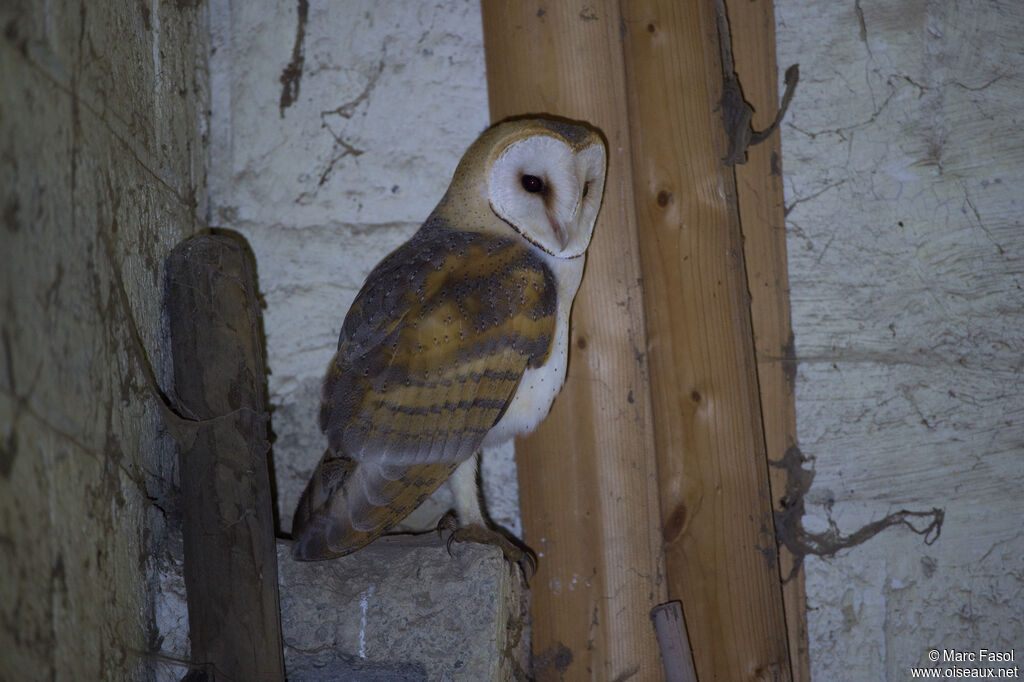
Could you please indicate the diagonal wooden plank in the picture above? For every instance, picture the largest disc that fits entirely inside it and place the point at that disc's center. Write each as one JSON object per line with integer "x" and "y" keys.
{"x": 762, "y": 216}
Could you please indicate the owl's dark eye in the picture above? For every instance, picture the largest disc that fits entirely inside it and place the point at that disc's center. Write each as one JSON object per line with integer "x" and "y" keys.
{"x": 532, "y": 184}
{"x": 586, "y": 188}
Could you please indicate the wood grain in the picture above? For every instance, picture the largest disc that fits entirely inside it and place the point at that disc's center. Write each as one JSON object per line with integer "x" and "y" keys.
{"x": 719, "y": 539}
{"x": 588, "y": 478}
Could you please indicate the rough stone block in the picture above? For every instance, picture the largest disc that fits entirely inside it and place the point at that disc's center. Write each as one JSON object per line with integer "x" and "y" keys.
{"x": 403, "y": 609}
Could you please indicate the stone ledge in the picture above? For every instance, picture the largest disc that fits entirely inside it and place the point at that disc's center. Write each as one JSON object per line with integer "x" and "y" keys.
{"x": 403, "y": 609}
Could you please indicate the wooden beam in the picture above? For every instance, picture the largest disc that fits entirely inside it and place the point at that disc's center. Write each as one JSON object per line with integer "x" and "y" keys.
{"x": 228, "y": 527}
{"x": 762, "y": 216}
{"x": 719, "y": 540}
{"x": 588, "y": 479}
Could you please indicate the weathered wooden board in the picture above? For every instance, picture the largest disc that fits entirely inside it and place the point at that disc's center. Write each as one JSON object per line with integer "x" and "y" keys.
{"x": 228, "y": 527}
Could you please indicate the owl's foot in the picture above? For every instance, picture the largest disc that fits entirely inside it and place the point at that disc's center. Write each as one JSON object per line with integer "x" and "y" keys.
{"x": 514, "y": 549}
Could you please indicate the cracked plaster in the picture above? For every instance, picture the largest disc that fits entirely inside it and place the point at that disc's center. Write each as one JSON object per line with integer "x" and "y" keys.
{"x": 903, "y": 162}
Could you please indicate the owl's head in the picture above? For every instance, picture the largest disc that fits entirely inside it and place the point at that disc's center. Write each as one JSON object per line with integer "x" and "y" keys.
{"x": 544, "y": 178}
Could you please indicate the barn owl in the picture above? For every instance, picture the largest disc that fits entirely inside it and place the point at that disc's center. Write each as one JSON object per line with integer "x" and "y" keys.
{"x": 458, "y": 339}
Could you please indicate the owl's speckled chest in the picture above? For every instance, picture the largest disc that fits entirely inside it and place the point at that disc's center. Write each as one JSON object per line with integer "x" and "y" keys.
{"x": 540, "y": 385}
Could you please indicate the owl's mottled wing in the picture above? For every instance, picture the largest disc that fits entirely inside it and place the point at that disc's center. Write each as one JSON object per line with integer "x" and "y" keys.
{"x": 430, "y": 356}
{"x": 434, "y": 347}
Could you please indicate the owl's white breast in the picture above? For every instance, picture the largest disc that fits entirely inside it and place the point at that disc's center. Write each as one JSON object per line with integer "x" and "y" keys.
{"x": 540, "y": 385}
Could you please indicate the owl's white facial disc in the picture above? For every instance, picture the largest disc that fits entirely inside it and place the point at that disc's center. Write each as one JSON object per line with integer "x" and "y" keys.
{"x": 549, "y": 193}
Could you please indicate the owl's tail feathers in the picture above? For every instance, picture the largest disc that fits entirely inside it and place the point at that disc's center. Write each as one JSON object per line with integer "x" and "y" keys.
{"x": 312, "y": 523}
{"x": 348, "y": 504}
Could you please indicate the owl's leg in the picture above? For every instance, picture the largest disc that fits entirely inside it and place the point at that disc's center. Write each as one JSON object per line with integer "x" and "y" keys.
{"x": 468, "y": 524}
{"x": 466, "y": 498}
{"x": 466, "y": 492}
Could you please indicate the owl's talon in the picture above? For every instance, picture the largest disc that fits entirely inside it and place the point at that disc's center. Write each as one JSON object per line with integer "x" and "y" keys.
{"x": 448, "y": 543}
{"x": 528, "y": 564}
{"x": 448, "y": 522}
{"x": 514, "y": 549}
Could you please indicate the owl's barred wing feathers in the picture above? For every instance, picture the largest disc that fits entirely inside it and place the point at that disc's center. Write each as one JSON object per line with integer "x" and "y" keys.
{"x": 434, "y": 347}
{"x": 430, "y": 355}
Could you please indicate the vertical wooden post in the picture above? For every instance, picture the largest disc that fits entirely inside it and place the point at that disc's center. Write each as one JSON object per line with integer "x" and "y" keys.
{"x": 228, "y": 527}
{"x": 716, "y": 505}
{"x": 588, "y": 480}
{"x": 762, "y": 215}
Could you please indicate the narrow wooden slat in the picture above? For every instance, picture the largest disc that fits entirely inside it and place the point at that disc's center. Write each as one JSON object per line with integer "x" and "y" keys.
{"x": 716, "y": 506}
{"x": 762, "y": 215}
{"x": 228, "y": 528}
{"x": 674, "y": 642}
{"x": 588, "y": 480}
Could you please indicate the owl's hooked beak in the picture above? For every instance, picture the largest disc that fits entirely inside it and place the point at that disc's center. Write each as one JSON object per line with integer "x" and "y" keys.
{"x": 559, "y": 229}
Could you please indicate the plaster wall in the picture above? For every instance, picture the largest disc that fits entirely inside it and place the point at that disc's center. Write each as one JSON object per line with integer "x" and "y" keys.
{"x": 101, "y": 172}
{"x": 903, "y": 160}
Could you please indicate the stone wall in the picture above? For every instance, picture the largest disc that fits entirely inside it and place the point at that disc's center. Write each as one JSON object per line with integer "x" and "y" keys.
{"x": 901, "y": 157}
{"x": 102, "y": 160}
